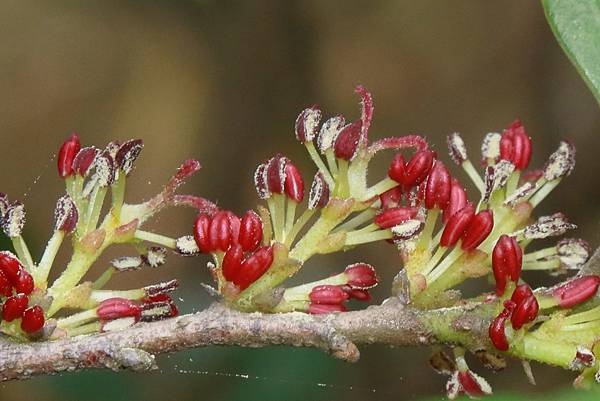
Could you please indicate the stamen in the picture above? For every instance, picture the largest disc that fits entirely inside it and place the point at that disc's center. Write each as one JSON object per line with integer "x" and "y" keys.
{"x": 156, "y": 238}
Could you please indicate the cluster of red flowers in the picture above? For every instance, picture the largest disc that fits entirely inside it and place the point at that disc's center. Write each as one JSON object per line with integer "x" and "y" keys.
{"x": 16, "y": 284}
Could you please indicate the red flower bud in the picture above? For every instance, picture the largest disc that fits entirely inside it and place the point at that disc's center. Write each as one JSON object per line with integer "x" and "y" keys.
{"x": 525, "y": 312}
{"x": 479, "y": 228}
{"x": 128, "y": 154}
{"x": 234, "y": 226}
{"x": 294, "y": 185}
{"x": 361, "y": 276}
{"x": 320, "y": 309}
{"x": 397, "y": 169}
{"x": 307, "y": 124}
{"x": 84, "y": 159}
{"x": 11, "y": 267}
{"x": 497, "y": 331}
{"x": 254, "y": 267}
{"x": 251, "y": 231}
{"x": 521, "y": 293}
{"x": 201, "y": 227}
{"x": 515, "y": 146}
{"x": 232, "y": 262}
{"x": 437, "y": 190}
{"x": 276, "y": 174}
{"x": 346, "y": 144}
{"x": 219, "y": 232}
{"x": 33, "y": 319}
{"x": 391, "y": 197}
{"x": 25, "y": 283}
{"x": 394, "y": 216}
{"x": 457, "y": 225}
{"x": 115, "y": 308}
{"x": 456, "y": 201}
{"x": 473, "y": 386}
{"x": 319, "y": 192}
{"x": 66, "y": 154}
{"x": 14, "y": 307}
{"x": 418, "y": 168}
{"x": 5, "y": 286}
{"x": 576, "y": 291}
{"x": 328, "y": 294}
{"x": 358, "y": 294}
{"x": 507, "y": 258}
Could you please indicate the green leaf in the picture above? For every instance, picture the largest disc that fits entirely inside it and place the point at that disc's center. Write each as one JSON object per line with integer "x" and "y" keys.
{"x": 576, "y": 25}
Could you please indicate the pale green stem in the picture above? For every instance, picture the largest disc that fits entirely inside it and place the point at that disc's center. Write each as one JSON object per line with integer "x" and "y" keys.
{"x": 382, "y": 186}
{"x": 118, "y": 194}
{"x": 361, "y": 238}
{"x": 542, "y": 265}
{"x": 77, "y": 319}
{"x": 298, "y": 226}
{"x": 22, "y": 252}
{"x": 40, "y": 274}
{"x": 362, "y": 217}
{"x": 342, "y": 188}
{"x": 425, "y": 237}
{"x": 474, "y": 175}
{"x": 156, "y": 238}
{"x": 95, "y": 208}
{"x": 98, "y": 296}
{"x": 104, "y": 278}
{"x": 543, "y": 192}
{"x": 277, "y": 208}
{"x": 300, "y": 292}
{"x": 541, "y": 350}
{"x": 581, "y": 326}
{"x": 434, "y": 260}
{"x": 314, "y": 155}
{"x": 588, "y": 315}
{"x": 513, "y": 182}
{"x": 540, "y": 254}
{"x": 85, "y": 329}
{"x": 309, "y": 244}
{"x": 445, "y": 265}
{"x": 290, "y": 216}
{"x": 331, "y": 162}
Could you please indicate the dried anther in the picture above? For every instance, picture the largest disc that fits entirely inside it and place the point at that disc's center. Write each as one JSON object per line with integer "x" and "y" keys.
{"x": 14, "y": 220}
{"x": 319, "y": 192}
{"x": 66, "y": 215}
{"x": 128, "y": 154}
{"x": 548, "y": 226}
{"x": 457, "y": 148}
{"x": 155, "y": 256}
{"x": 185, "y": 246}
{"x": 307, "y": 124}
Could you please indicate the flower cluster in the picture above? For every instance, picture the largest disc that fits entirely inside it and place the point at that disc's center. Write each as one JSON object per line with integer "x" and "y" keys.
{"x": 33, "y": 308}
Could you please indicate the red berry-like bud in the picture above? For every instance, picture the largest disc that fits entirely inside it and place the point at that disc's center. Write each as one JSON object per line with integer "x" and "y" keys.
{"x": 456, "y": 201}
{"x": 391, "y": 197}
{"x": 507, "y": 259}
{"x": 457, "y": 225}
{"x": 321, "y": 309}
{"x": 14, "y": 307}
{"x": 480, "y": 227}
{"x": 276, "y": 174}
{"x": 328, "y": 295}
{"x": 115, "y": 308}
{"x": 319, "y": 192}
{"x": 397, "y": 169}
{"x": 307, "y": 124}
{"x": 254, "y": 267}
{"x": 25, "y": 283}
{"x": 33, "y": 319}
{"x": 358, "y": 294}
{"x": 251, "y": 231}
{"x": 128, "y": 154}
{"x": 201, "y": 237}
{"x": 346, "y": 144}
{"x": 439, "y": 184}
{"x": 11, "y": 267}
{"x": 525, "y": 312}
{"x": 497, "y": 331}
{"x": 361, "y": 276}
{"x": 418, "y": 168}
{"x": 576, "y": 291}
{"x": 5, "y": 285}
{"x": 219, "y": 232}
{"x": 234, "y": 226}
{"x": 232, "y": 262}
{"x": 65, "y": 215}
{"x": 294, "y": 185}
{"x": 394, "y": 216}
{"x": 84, "y": 159}
{"x": 515, "y": 146}
{"x": 66, "y": 154}
{"x": 521, "y": 293}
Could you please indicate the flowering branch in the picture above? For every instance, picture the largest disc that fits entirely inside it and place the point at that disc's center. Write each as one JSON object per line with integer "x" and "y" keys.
{"x": 443, "y": 240}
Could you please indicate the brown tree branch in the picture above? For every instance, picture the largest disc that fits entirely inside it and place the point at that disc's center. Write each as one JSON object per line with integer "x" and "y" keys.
{"x": 134, "y": 348}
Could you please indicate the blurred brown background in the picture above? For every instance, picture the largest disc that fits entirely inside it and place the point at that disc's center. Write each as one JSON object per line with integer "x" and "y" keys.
{"x": 223, "y": 81}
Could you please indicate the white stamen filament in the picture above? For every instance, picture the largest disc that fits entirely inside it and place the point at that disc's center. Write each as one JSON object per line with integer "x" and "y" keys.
{"x": 452, "y": 257}
{"x": 40, "y": 273}
{"x": 22, "y": 252}
{"x": 316, "y": 158}
{"x": 156, "y": 238}
{"x": 299, "y": 225}
{"x": 473, "y": 175}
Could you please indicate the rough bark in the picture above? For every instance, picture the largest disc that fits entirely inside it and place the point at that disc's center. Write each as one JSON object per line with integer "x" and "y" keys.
{"x": 134, "y": 348}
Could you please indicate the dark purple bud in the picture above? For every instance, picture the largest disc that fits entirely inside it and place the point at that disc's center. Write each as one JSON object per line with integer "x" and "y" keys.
{"x": 128, "y": 154}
